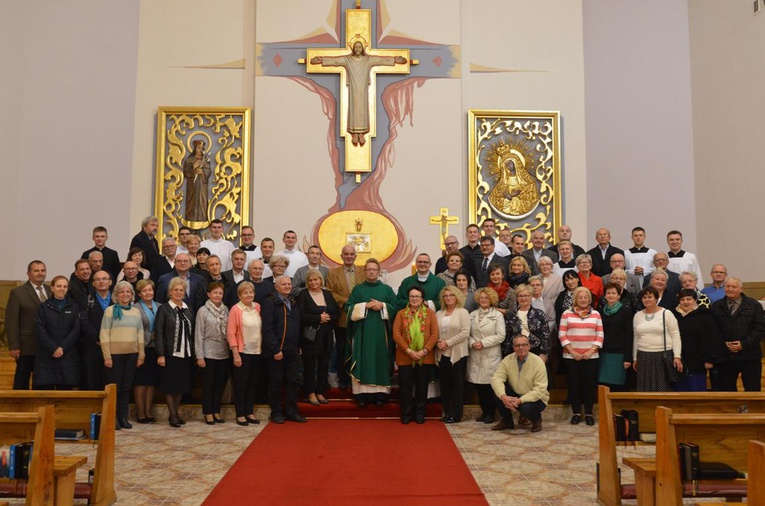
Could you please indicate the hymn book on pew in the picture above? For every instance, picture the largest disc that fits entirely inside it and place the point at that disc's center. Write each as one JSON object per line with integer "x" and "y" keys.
{"x": 692, "y": 468}
{"x": 14, "y": 460}
{"x": 69, "y": 434}
{"x": 95, "y": 425}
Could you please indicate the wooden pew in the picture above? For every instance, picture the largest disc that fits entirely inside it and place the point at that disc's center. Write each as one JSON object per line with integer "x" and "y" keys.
{"x": 72, "y": 410}
{"x": 720, "y": 437}
{"x": 611, "y": 491}
{"x": 38, "y": 427}
{"x": 755, "y": 489}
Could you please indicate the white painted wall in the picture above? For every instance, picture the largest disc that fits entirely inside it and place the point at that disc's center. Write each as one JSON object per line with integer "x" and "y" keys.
{"x": 640, "y": 163}
{"x": 68, "y": 90}
{"x": 79, "y": 105}
{"x": 728, "y": 77}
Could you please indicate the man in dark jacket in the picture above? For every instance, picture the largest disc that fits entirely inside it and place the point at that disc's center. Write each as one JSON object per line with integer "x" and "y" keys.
{"x": 742, "y": 322}
{"x": 281, "y": 332}
{"x": 91, "y": 357}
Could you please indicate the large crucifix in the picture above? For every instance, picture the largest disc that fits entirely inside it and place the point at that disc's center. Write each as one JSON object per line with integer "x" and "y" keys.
{"x": 358, "y": 84}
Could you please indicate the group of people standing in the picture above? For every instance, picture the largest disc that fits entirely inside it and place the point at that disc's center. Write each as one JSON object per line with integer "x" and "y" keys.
{"x": 502, "y": 325}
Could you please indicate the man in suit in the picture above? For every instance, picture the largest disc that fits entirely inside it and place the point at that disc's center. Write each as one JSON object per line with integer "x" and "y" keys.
{"x": 634, "y": 283}
{"x": 237, "y": 273}
{"x": 602, "y": 253}
{"x": 537, "y": 251}
{"x": 340, "y": 282}
{"x": 146, "y": 241}
{"x": 165, "y": 263}
{"x": 96, "y": 262}
{"x": 314, "y": 262}
{"x": 481, "y": 267}
{"x": 182, "y": 270}
{"x": 661, "y": 261}
{"x": 20, "y": 316}
{"x": 742, "y": 323}
{"x": 111, "y": 257}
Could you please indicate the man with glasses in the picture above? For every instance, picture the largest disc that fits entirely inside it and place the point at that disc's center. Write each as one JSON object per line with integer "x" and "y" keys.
{"x": 248, "y": 244}
{"x": 430, "y": 284}
{"x": 634, "y": 283}
{"x": 183, "y": 237}
{"x": 520, "y": 384}
{"x": 452, "y": 244}
{"x": 716, "y": 290}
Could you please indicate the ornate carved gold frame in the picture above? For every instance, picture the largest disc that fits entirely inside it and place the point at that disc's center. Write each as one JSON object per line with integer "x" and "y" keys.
{"x": 226, "y": 133}
{"x": 530, "y": 139}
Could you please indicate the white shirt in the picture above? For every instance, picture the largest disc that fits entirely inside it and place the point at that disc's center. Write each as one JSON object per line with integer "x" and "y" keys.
{"x": 297, "y": 260}
{"x": 223, "y": 249}
{"x": 644, "y": 260}
{"x": 252, "y": 255}
{"x": 689, "y": 263}
{"x": 501, "y": 248}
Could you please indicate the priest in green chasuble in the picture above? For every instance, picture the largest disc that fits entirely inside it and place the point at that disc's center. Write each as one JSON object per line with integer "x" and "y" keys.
{"x": 371, "y": 308}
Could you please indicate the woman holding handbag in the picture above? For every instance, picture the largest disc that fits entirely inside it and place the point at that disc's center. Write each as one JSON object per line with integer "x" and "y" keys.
{"x": 318, "y": 313}
{"x": 657, "y": 346}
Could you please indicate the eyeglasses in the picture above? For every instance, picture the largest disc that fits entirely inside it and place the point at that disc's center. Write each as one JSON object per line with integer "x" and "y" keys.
{"x": 415, "y": 296}
{"x": 450, "y": 243}
{"x": 522, "y": 345}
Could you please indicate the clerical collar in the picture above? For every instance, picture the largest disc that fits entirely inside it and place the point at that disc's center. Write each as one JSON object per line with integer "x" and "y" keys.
{"x": 251, "y": 247}
{"x": 422, "y": 278}
{"x": 679, "y": 254}
{"x": 639, "y": 250}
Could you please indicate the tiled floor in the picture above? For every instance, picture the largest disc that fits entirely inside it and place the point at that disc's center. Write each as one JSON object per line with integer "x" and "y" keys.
{"x": 159, "y": 465}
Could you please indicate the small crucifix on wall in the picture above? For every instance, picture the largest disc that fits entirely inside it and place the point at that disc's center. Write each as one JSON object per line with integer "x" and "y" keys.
{"x": 443, "y": 220}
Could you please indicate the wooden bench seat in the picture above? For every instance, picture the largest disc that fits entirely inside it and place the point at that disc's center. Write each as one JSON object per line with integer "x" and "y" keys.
{"x": 73, "y": 410}
{"x": 610, "y": 490}
{"x": 37, "y": 427}
{"x": 720, "y": 437}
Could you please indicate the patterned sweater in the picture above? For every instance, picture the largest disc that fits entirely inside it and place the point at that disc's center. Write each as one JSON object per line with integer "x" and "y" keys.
{"x": 119, "y": 337}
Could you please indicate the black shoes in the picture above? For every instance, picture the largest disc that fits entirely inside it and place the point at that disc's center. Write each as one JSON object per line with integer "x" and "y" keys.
{"x": 448, "y": 419}
{"x": 406, "y": 419}
{"x": 276, "y": 419}
{"x": 251, "y": 419}
{"x": 419, "y": 419}
{"x": 122, "y": 422}
{"x": 181, "y": 421}
{"x": 174, "y": 423}
{"x": 488, "y": 419}
{"x": 297, "y": 418}
{"x": 576, "y": 419}
{"x": 536, "y": 426}
{"x": 244, "y": 423}
{"x": 589, "y": 420}
{"x": 146, "y": 420}
{"x": 218, "y": 420}
{"x": 209, "y": 421}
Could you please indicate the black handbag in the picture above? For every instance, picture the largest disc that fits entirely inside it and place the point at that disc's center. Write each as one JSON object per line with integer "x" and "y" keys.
{"x": 309, "y": 333}
{"x": 668, "y": 358}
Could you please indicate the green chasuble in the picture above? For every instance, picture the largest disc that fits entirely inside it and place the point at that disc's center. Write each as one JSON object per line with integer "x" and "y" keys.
{"x": 371, "y": 340}
{"x": 432, "y": 288}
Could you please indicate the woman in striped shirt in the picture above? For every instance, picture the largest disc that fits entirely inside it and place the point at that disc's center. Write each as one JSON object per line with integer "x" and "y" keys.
{"x": 581, "y": 336}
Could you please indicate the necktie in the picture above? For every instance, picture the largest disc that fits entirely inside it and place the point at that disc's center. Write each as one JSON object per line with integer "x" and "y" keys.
{"x": 351, "y": 277}
{"x": 485, "y": 265}
{"x": 41, "y": 294}
{"x": 732, "y": 306}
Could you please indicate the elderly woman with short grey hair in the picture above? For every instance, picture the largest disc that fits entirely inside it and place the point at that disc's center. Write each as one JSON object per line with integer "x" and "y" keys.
{"x": 121, "y": 340}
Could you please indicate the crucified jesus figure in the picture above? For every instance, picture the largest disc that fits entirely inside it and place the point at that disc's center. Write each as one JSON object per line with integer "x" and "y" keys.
{"x": 358, "y": 65}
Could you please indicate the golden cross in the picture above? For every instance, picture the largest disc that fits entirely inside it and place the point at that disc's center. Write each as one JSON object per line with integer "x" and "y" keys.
{"x": 444, "y": 220}
{"x": 358, "y": 84}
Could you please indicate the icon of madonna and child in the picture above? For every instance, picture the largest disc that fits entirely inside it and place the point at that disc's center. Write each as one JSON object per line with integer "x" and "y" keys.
{"x": 515, "y": 192}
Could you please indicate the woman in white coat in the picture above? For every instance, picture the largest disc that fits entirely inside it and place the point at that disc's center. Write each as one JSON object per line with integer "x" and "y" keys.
{"x": 487, "y": 332}
{"x": 452, "y": 352}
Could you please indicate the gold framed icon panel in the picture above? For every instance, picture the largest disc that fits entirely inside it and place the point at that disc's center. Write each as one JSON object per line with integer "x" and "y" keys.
{"x": 224, "y": 133}
{"x": 514, "y": 170}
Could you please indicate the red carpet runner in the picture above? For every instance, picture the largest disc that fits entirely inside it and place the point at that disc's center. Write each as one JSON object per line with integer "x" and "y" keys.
{"x": 341, "y": 462}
